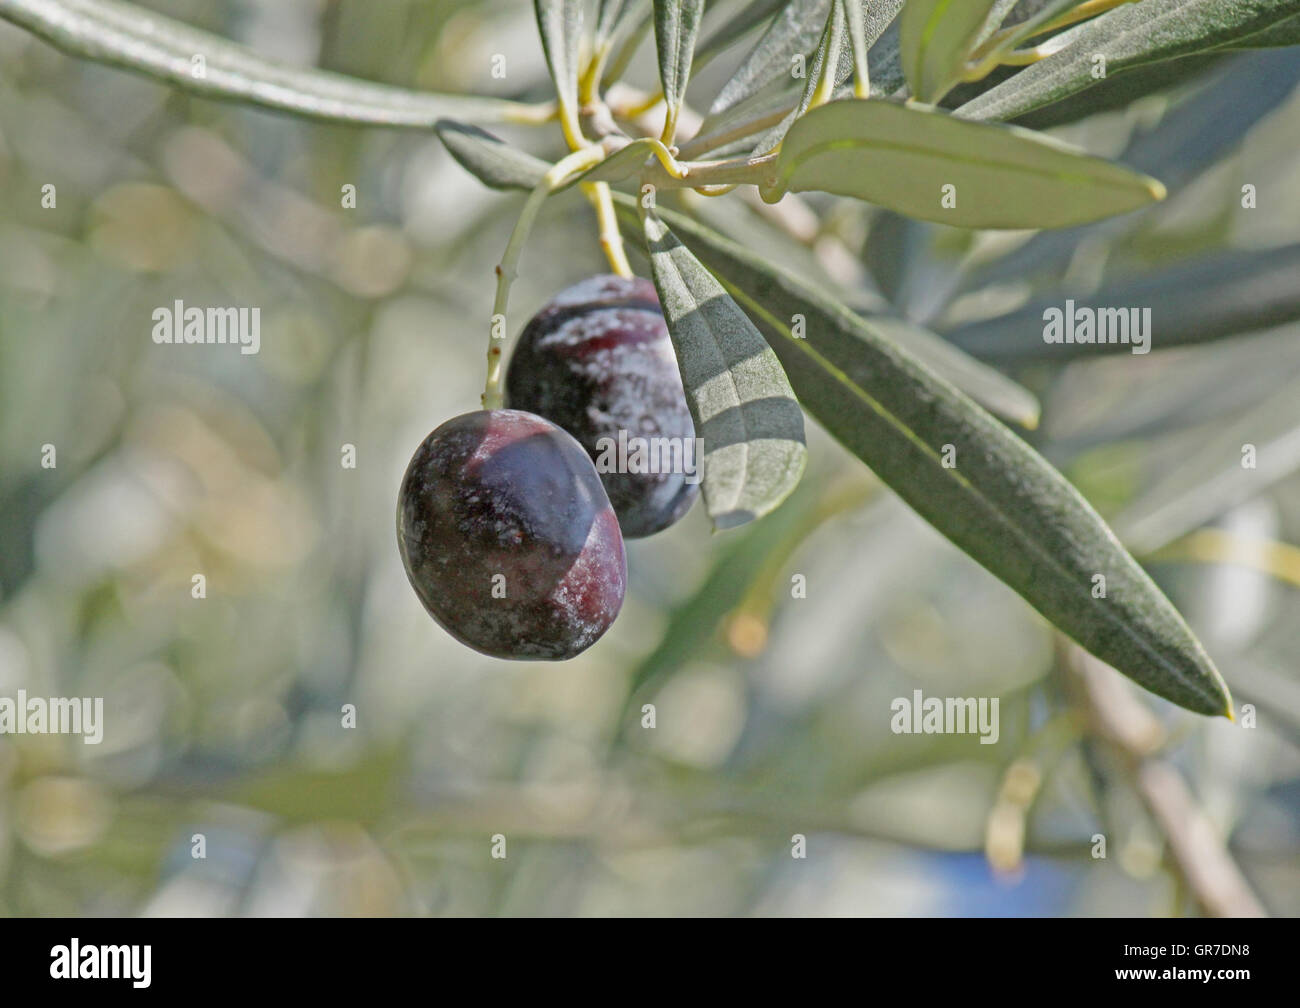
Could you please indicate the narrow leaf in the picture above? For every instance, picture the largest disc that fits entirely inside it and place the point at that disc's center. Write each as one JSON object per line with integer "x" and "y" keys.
{"x": 145, "y": 42}
{"x": 1132, "y": 36}
{"x": 745, "y": 414}
{"x": 885, "y": 79}
{"x": 492, "y": 161}
{"x": 748, "y": 18}
{"x": 1121, "y": 90}
{"x": 677, "y": 26}
{"x": 560, "y": 24}
{"x": 937, "y": 37}
{"x": 622, "y": 164}
{"x": 929, "y": 165}
{"x": 825, "y": 65}
{"x": 881, "y": 35}
{"x": 1193, "y": 135}
{"x": 613, "y": 18}
{"x": 793, "y": 33}
{"x": 499, "y": 166}
{"x": 992, "y": 495}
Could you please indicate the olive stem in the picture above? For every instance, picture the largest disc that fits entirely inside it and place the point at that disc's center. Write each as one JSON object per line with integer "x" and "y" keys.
{"x": 589, "y": 82}
{"x": 1007, "y": 38}
{"x": 758, "y": 171}
{"x": 611, "y": 239}
{"x": 557, "y": 175}
{"x": 855, "y": 18}
{"x": 1085, "y": 10}
{"x": 531, "y": 115}
{"x": 571, "y": 127}
{"x": 640, "y": 108}
{"x": 747, "y": 127}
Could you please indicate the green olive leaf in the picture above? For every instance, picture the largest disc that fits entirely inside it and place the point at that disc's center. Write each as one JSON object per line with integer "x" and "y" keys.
{"x": 874, "y": 16}
{"x": 623, "y": 163}
{"x": 1131, "y": 36}
{"x": 492, "y": 161}
{"x": 794, "y": 32}
{"x": 937, "y": 37}
{"x": 749, "y": 18}
{"x": 746, "y": 416}
{"x": 677, "y": 26}
{"x": 826, "y": 60}
{"x": 613, "y": 18}
{"x": 146, "y": 42}
{"x": 930, "y": 165}
{"x": 965, "y": 473}
{"x": 779, "y": 92}
{"x": 1191, "y": 137}
{"x": 559, "y": 22}
{"x": 499, "y": 166}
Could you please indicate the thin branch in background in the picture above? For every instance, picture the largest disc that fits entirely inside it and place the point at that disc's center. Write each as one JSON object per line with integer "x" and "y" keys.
{"x": 1198, "y": 851}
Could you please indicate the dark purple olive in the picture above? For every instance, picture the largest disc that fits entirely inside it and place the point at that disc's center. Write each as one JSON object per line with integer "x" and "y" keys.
{"x": 597, "y": 360}
{"x": 508, "y": 537}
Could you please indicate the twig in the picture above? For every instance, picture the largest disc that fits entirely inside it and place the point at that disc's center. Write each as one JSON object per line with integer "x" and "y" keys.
{"x": 1198, "y": 851}
{"x": 558, "y": 174}
{"x": 611, "y": 238}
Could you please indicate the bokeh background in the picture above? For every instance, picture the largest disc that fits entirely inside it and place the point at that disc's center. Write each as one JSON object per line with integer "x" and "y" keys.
{"x": 772, "y": 712}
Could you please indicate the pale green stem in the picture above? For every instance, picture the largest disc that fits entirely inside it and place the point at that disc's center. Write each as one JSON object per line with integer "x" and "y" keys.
{"x": 1008, "y": 38}
{"x": 745, "y": 128}
{"x": 756, "y": 171}
{"x": 611, "y": 239}
{"x": 558, "y": 174}
{"x": 853, "y": 14}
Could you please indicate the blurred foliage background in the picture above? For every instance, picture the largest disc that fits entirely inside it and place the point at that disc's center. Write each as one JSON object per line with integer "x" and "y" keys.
{"x": 223, "y": 713}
